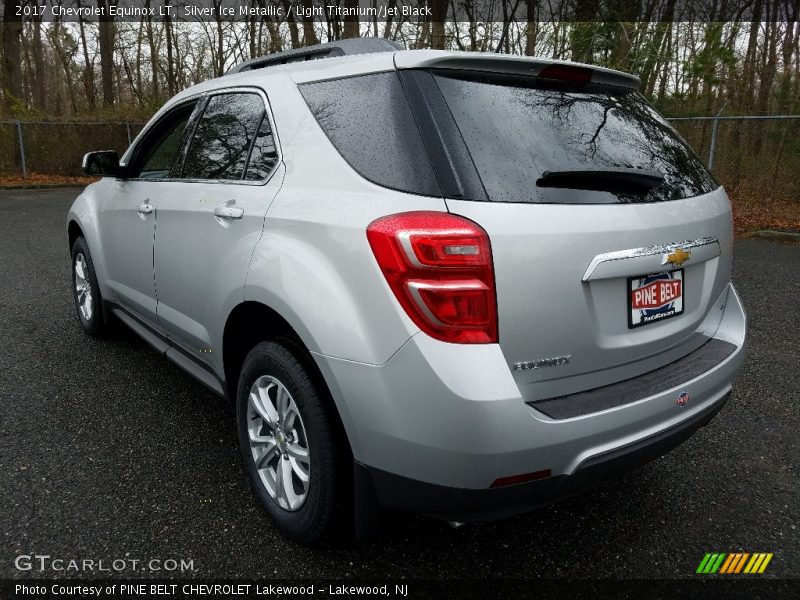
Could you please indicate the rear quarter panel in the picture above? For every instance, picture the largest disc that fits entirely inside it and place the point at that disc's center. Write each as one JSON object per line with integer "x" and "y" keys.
{"x": 313, "y": 265}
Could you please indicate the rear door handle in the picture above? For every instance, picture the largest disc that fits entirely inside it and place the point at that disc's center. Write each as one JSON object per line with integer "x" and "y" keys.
{"x": 228, "y": 212}
{"x": 144, "y": 208}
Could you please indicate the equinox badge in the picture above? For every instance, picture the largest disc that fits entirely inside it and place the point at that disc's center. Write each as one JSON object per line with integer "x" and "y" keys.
{"x": 555, "y": 361}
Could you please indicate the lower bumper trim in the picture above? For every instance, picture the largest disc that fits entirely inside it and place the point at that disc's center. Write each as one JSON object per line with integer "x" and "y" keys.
{"x": 396, "y": 492}
{"x": 705, "y": 358}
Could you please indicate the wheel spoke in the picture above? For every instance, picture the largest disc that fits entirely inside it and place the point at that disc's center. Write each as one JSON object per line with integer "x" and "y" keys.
{"x": 280, "y": 490}
{"x": 297, "y": 452}
{"x": 283, "y": 405}
{"x": 288, "y": 487}
{"x": 300, "y": 470}
{"x": 288, "y": 422}
{"x": 260, "y": 440}
{"x": 266, "y": 402}
{"x": 263, "y": 406}
{"x": 79, "y": 268}
{"x": 270, "y": 451}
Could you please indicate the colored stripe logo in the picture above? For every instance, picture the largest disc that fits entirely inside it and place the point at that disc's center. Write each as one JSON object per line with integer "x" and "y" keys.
{"x": 736, "y": 562}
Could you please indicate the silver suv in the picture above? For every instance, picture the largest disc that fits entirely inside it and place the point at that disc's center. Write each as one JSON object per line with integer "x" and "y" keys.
{"x": 460, "y": 284}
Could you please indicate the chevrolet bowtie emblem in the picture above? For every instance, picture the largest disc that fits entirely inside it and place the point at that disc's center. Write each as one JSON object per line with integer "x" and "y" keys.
{"x": 677, "y": 258}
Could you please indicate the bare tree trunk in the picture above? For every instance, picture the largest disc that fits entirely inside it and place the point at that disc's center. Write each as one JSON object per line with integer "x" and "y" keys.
{"x": 531, "y": 27}
{"x": 251, "y": 27}
{"x": 12, "y": 75}
{"x": 65, "y": 60}
{"x": 309, "y": 35}
{"x": 27, "y": 79}
{"x": 583, "y": 29}
{"x": 39, "y": 96}
{"x": 220, "y": 70}
{"x": 151, "y": 42}
{"x": 387, "y": 30}
{"x": 438, "y": 16}
{"x": 771, "y": 52}
{"x": 139, "y": 36}
{"x": 170, "y": 62}
{"x": 351, "y": 29}
{"x": 88, "y": 73}
{"x": 106, "y": 42}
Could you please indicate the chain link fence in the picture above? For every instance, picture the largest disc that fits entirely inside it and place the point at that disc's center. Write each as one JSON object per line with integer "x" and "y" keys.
{"x": 56, "y": 148}
{"x": 753, "y": 154}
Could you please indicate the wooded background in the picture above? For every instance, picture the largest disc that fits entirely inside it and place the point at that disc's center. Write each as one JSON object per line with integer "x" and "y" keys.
{"x": 689, "y": 64}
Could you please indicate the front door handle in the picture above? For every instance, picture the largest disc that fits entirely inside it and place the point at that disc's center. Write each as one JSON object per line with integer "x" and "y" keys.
{"x": 144, "y": 208}
{"x": 228, "y": 212}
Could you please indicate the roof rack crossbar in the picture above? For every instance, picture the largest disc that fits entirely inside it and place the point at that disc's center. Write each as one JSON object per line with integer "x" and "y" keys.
{"x": 345, "y": 47}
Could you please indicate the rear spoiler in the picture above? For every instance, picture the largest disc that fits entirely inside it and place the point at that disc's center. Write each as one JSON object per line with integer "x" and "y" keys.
{"x": 512, "y": 65}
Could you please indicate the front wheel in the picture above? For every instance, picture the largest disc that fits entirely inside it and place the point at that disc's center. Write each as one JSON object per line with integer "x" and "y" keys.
{"x": 288, "y": 443}
{"x": 85, "y": 290}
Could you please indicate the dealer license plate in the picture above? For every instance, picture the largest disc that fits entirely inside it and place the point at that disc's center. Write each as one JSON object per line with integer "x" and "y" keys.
{"x": 653, "y": 298}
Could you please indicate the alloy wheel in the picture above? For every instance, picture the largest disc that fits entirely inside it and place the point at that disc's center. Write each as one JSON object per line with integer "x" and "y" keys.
{"x": 278, "y": 442}
{"x": 83, "y": 288}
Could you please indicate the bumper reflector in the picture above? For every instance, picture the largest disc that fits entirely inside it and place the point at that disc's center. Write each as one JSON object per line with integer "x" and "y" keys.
{"x": 525, "y": 477}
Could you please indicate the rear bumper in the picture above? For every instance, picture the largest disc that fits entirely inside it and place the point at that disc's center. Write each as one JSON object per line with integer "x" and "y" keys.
{"x": 395, "y": 492}
{"x": 447, "y": 420}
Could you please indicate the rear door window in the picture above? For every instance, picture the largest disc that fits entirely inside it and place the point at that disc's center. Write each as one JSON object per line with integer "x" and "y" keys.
{"x": 517, "y": 129}
{"x": 224, "y": 136}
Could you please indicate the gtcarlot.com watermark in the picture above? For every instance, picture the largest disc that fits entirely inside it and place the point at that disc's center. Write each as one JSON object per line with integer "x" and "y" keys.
{"x": 45, "y": 563}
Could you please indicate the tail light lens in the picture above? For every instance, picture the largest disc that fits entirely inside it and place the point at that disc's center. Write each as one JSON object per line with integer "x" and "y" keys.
{"x": 439, "y": 267}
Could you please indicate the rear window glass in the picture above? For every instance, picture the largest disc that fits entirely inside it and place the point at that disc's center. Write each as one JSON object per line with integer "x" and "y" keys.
{"x": 368, "y": 120}
{"x": 517, "y": 129}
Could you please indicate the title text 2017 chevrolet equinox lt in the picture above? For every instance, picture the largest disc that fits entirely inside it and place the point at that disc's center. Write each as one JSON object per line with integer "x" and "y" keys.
{"x": 460, "y": 284}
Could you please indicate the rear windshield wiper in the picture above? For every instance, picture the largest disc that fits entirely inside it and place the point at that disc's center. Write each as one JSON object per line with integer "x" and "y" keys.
{"x": 631, "y": 181}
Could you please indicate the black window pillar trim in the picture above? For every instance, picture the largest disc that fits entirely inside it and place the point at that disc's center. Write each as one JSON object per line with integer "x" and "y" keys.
{"x": 447, "y": 152}
{"x": 176, "y": 172}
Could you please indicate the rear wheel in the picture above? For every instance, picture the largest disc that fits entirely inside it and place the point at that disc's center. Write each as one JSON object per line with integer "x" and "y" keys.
{"x": 85, "y": 290}
{"x": 288, "y": 442}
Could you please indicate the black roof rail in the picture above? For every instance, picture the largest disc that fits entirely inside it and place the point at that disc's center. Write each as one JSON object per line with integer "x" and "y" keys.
{"x": 346, "y": 47}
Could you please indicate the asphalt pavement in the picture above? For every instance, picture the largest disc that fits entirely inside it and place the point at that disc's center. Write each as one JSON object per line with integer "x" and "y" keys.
{"x": 108, "y": 451}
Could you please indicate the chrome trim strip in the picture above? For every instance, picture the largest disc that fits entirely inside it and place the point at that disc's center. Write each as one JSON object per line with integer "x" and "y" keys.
{"x": 645, "y": 251}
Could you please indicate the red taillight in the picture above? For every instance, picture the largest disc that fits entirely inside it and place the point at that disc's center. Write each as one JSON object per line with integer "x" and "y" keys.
{"x": 439, "y": 267}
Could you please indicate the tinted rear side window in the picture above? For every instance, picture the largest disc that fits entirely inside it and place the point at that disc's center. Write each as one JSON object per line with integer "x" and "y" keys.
{"x": 223, "y": 137}
{"x": 368, "y": 120}
{"x": 516, "y": 129}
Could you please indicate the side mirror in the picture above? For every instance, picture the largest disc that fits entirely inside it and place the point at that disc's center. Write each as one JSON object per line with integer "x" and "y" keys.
{"x": 102, "y": 162}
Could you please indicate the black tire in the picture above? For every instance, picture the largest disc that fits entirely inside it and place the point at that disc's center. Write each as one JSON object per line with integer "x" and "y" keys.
{"x": 93, "y": 323}
{"x": 318, "y": 513}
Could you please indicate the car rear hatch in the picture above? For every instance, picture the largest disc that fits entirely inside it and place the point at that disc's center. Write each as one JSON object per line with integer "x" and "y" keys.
{"x": 611, "y": 242}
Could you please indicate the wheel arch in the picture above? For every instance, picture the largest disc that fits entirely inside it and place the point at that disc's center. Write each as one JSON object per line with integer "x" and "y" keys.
{"x": 251, "y": 322}
{"x": 74, "y": 231}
